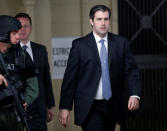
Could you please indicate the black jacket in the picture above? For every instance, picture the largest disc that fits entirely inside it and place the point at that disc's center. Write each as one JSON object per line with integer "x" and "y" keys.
{"x": 46, "y": 98}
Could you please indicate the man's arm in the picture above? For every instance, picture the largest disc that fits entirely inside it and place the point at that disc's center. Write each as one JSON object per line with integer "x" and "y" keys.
{"x": 31, "y": 91}
{"x": 70, "y": 79}
{"x": 48, "y": 87}
{"x": 69, "y": 85}
{"x": 48, "y": 83}
{"x": 29, "y": 74}
{"x": 133, "y": 79}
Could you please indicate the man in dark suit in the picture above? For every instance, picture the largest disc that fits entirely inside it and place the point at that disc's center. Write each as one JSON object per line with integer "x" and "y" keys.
{"x": 41, "y": 110}
{"x": 98, "y": 65}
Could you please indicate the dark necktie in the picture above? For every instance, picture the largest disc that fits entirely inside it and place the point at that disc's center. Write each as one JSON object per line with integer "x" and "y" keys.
{"x": 24, "y": 47}
{"x": 106, "y": 86}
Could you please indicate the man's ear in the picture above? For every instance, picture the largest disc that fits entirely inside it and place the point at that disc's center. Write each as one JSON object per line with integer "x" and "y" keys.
{"x": 91, "y": 22}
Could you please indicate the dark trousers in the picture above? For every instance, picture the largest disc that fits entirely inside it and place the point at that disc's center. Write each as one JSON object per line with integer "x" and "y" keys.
{"x": 99, "y": 118}
{"x": 37, "y": 121}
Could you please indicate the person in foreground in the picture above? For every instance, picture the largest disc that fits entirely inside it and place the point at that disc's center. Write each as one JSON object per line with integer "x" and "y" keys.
{"x": 41, "y": 109}
{"x": 21, "y": 70}
{"x": 98, "y": 66}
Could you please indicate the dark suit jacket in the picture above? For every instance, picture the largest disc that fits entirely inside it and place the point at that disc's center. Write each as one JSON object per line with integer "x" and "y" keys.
{"x": 83, "y": 74}
{"x": 46, "y": 98}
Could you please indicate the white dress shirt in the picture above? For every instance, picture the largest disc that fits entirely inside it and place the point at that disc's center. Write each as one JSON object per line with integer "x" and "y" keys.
{"x": 99, "y": 95}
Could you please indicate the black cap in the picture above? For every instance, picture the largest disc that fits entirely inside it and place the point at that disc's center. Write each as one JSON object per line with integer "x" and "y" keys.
{"x": 8, "y": 24}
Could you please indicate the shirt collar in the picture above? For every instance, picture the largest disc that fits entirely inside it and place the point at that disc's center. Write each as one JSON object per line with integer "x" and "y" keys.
{"x": 27, "y": 44}
{"x": 97, "y": 38}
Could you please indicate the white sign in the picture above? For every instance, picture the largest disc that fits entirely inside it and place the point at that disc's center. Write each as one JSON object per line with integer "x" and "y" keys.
{"x": 60, "y": 51}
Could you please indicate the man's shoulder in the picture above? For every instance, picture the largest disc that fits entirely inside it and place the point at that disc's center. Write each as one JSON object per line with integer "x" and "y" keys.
{"x": 116, "y": 36}
{"x": 83, "y": 38}
{"x": 37, "y": 45}
{"x": 119, "y": 40}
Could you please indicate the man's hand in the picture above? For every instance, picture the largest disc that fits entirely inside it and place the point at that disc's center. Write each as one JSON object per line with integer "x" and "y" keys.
{"x": 64, "y": 117}
{"x": 3, "y": 80}
{"x": 50, "y": 115}
{"x": 133, "y": 103}
{"x": 25, "y": 106}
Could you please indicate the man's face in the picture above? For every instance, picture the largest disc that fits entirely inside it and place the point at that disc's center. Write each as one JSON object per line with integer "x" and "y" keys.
{"x": 25, "y": 31}
{"x": 100, "y": 23}
{"x": 14, "y": 37}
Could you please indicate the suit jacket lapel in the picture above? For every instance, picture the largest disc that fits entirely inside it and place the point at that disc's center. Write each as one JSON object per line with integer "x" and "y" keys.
{"x": 111, "y": 46}
{"x": 93, "y": 45}
{"x": 34, "y": 52}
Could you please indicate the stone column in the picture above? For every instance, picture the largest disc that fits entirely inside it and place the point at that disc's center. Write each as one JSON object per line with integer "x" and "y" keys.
{"x": 29, "y": 8}
{"x": 114, "y": 16}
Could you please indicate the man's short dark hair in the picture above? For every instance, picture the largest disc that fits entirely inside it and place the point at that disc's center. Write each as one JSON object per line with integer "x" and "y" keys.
{"x": 24, "y": 15}
{"x": 96, "y": 8}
